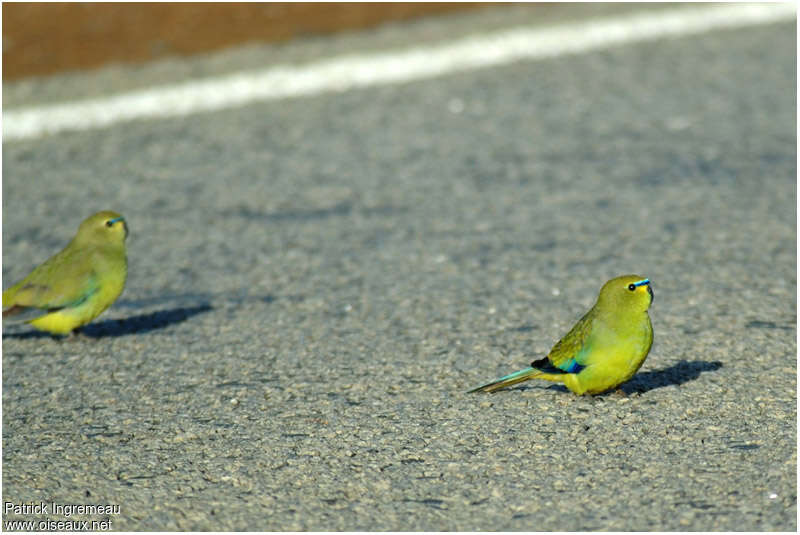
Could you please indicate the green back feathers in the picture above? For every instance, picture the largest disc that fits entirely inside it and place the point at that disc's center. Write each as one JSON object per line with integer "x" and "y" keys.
{"x": 567, "y": 351}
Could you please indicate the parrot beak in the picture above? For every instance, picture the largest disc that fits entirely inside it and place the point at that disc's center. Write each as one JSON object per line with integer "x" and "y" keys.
{"x": 646, "y": 282}
{"x": 124, "y": 224}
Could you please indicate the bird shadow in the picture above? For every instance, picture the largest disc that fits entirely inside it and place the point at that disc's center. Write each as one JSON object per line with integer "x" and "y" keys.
{"x": 143, "y": 322}
{"x": 131, "y": 325}
{"x": 677, "y": 374}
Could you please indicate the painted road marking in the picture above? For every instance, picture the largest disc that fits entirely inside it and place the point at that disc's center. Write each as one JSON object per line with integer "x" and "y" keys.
{"x": 353, "y": 71}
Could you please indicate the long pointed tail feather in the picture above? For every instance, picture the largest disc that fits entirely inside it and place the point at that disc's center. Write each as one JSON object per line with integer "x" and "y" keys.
{"x": 508, "y": 380}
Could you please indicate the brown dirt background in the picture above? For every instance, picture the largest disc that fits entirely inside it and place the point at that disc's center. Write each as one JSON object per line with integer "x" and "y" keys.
{"x": 45, "y": 38}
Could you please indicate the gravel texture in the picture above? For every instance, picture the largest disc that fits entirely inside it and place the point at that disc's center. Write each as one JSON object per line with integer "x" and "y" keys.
{"x": 315, "y": 283}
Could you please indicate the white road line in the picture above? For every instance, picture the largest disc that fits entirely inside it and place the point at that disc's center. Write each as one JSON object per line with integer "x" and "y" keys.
{"x": 363, "y": 70}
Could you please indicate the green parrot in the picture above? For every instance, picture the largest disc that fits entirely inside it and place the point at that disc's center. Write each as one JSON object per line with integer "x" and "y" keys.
{"x": 604, "y": 349}
{"x": 77, "y": 284}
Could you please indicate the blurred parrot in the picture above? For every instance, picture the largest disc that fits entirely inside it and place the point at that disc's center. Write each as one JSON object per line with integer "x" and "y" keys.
{"x": 604, "y": 349}
{"x": 77, "y": 284}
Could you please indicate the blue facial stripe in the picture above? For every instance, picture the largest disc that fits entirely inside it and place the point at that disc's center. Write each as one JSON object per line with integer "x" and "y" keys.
{"x": 116, "y": 219}
{"x": 641, "y": 282}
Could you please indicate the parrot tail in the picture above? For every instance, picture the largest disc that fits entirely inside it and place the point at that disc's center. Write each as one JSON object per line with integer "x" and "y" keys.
{"x": 508, "y": 380}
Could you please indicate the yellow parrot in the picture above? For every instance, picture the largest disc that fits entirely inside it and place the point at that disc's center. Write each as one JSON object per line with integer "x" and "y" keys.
{"x": 604, "y": 349}
{"x": 77, "y": 284}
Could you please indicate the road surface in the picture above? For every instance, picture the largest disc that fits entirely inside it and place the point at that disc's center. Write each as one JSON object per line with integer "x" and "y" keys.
{"x": 314, "y": 283}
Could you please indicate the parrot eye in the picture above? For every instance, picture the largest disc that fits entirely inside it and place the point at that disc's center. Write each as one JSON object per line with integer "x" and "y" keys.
{"x": 631, "y": 287}
{"x": 110, "y": 223}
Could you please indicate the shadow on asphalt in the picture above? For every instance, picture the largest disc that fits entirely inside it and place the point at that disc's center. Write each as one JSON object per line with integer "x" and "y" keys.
{"x": 132, "y": 325}
{"x": 682, "y": 372}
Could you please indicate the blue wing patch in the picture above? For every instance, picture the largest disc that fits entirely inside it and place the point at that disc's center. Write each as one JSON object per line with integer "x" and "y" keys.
{"x": 573, "y": 366}
{"x": 570, "y": 366}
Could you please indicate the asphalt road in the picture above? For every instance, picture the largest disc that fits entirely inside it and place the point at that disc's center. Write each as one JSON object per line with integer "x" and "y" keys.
{"x": 314, "y": 283}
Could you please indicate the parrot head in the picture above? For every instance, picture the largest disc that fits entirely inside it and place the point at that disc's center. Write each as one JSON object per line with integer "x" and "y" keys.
{"x": 629, "y": 293}
{"x": 103, "y": 227}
